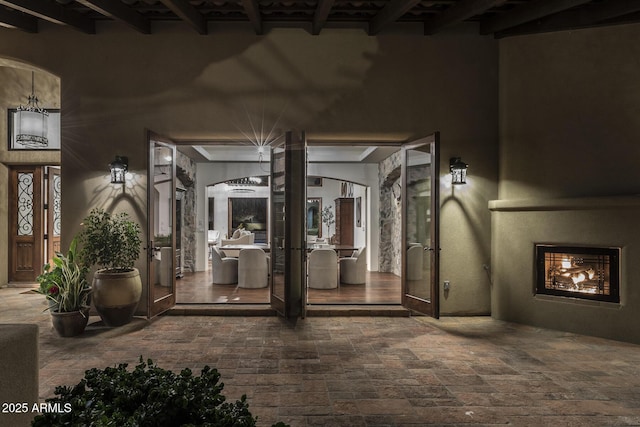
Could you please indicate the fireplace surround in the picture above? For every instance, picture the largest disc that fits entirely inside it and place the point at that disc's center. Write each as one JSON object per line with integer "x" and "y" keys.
{"x": 578, "y": 272}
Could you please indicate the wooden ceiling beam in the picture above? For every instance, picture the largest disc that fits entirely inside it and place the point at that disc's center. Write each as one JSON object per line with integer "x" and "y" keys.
{"x": 526, "y": 13}
{"x": 389, "y": 14}
{"x": 462, "y": 10}
{"x": 52, "y": 12}
{"x": 575, "y": 19}
{"x": 188, "y": 13}
{"x": 252, "y": 9}
{"x": 120, "y": 12}
{"x": 18, "y": 20}
{"x": 321, "y": 15}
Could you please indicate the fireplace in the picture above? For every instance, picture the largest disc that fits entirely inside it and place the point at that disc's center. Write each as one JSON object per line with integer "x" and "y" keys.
{"x": 578, "y": 272}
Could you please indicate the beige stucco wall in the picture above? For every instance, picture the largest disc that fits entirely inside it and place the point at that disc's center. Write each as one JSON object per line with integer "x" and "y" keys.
{"x": 569, "y": 134}
{"x": 15, "y": 87}
{"x": 342, "y": 84}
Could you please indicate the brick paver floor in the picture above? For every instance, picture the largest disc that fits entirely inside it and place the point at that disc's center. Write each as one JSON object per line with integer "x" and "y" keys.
{"x": 366, "y": 371}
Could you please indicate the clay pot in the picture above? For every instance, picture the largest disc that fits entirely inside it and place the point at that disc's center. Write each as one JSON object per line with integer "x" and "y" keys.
{"x": 70, "y": 324}
{"x": 116, "y": 295}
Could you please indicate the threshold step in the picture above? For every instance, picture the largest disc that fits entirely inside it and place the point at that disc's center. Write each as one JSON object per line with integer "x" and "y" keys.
{"x": 358, "y": 310}
{"x": 221, "y": 310}
{"x": 266, "y": 310}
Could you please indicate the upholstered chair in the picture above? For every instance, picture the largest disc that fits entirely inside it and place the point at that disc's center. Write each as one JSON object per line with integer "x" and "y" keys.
{"x": 225, "y": 269}
{"x": 253, "y": 268}
{"x": 353, "y": 269}
{"x": 415, "y": 261}
{"x": 323, "y": 269}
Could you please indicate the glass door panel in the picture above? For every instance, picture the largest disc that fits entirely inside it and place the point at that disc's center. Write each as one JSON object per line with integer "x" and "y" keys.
{"x": 278, "y": 235}
{"x": 162, "y": 225}
{"x": 420, "y": 198}
{"x": 288, "y": 207}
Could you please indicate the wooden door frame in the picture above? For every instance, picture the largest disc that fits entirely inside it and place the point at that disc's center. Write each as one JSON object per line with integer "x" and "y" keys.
{"x": 431, "y": 307}
{"x": 37, "y": 236}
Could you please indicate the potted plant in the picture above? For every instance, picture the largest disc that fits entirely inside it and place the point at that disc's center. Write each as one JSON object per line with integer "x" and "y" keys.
{"x": 112, "y": 242}
{"x": 328, "y": 219}
{"x": 65, "y": 287}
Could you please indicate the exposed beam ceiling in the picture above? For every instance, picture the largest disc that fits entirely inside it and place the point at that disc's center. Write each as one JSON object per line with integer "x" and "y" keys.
{"x": 52, "y": 12}
{"x": 120, "y": 12}
{"x": 185, "y": 11}
{"x": 500, "y": 18}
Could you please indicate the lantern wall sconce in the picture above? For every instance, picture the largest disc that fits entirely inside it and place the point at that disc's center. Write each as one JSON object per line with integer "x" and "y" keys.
{"x": 119, "y": 169}
{"x": 458, "y": 170}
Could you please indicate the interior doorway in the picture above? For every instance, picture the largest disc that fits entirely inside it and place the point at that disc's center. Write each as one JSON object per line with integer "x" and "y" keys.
{"x": 231, "y": 173}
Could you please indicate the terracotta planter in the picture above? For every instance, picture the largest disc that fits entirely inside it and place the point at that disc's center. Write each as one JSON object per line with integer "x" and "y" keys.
{"x": 70, "y": 324}
{"x": 116, "y": 295}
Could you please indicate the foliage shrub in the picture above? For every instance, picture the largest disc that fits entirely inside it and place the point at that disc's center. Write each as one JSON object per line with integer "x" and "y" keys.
{"x": 147, "y": 396}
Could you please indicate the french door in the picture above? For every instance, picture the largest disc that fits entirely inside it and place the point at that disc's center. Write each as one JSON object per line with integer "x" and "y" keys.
{"x": 34, "y": 220}
{"x": 161, "y": 232}
{"x": 288, "y": 209}
{"x": 420, "y": 225}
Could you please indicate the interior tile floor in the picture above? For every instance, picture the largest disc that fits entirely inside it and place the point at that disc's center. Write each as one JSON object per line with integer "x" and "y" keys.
{"x": 365, "y": 371}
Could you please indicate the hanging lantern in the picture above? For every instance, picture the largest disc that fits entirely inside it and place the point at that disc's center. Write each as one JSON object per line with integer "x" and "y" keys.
{"x": 32, "y": 123}
{"x": 119, "y": 169}
{"x": 458, "y": 170}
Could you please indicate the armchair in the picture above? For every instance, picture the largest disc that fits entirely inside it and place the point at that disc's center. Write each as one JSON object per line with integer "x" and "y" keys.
{"x": 353, "y": 269}
{"x": 225, "y": 269}
{"x": 253, "y": 268}
{"x": 323, "y": 269}
{"x": 415, "y": 262}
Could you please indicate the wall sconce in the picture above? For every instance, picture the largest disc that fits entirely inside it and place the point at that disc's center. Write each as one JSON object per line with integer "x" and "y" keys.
{"x": 119, "y": 169}
{"x": 458, "y": 170}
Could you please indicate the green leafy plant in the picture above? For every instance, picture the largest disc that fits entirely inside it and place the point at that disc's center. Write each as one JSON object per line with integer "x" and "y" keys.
{"x": 110, "y": 241}
{"x": 147, "y": 396}
{"x": 327, "y": 218}
{"x": 65, "y": 284}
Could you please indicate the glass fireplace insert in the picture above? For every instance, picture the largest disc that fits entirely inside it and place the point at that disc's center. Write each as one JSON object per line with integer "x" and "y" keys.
{"x": 578, "y": 272}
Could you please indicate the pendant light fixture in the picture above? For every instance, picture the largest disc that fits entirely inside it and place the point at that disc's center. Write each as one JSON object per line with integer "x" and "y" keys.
{"x": 32, "y": 122}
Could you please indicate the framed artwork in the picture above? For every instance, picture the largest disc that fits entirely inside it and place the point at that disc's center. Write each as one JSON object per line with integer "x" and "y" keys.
{"x": 358, "y": 211}
{"x": 251, "y": 212}
{"x": 314, "y": 181}
{"x": 314, "y": 224}
{"x": 53, "y": 131}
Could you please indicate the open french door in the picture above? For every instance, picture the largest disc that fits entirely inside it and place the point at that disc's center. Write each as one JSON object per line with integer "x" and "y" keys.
{"x": 421, "y": 226}
{"x": 161, "y": 247}
{"x": 288, "y": 208}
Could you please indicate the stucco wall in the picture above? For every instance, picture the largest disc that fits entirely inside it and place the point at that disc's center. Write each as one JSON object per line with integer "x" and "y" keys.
{"x": 569, "y": 134}
{"x": 14, "y": 90}
{"x": 340, "y": 84}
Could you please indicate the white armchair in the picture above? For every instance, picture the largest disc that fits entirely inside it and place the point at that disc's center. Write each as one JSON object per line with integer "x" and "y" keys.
{"x": 415, "y": 261}
{"x": 225, "y": 269}
{"x": 323, "y": 269}
{"x": 253, "y": 268}
{"x": 213, "y": 237}
{"x": 353, "y": 269}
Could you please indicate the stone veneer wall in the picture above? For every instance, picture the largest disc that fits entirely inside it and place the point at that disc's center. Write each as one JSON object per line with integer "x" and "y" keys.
{"x": 187, "y": 176}
{"x": 390, "y": 215}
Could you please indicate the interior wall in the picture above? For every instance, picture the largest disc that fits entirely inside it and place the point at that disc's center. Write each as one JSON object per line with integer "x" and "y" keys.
{"x": 394, "y": 86}
{"x": 14, "y": 90}
{"x": 569, "y": 103}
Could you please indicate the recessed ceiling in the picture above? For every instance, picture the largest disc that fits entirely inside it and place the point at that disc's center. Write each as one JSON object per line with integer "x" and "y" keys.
{"x": 317, "y": 154}
{"x": 501, "y": 18}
